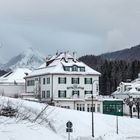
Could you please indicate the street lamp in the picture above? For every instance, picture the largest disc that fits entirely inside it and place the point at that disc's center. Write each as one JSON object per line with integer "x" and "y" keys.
{"x": 92, "y": 109}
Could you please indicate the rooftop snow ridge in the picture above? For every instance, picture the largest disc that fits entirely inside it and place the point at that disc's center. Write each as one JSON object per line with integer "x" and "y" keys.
{"x": 56, "y": 64}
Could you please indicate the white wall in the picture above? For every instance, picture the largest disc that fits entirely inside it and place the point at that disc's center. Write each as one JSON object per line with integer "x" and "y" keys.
{"x": 57, "y": 86}
{"x": 12, "y": 90}
{"x": 88, "y": 87}
{"x": 30, "y": 89}
{"x": 73, "y": 104}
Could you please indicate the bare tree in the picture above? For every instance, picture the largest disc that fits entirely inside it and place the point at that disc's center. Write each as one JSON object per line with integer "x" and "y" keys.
{"x": 130, "y": 102}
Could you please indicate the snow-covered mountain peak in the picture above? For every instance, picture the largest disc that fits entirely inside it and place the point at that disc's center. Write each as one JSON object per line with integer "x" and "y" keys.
{"x": 30, "y": 52}
{"x": 29, "y": 58}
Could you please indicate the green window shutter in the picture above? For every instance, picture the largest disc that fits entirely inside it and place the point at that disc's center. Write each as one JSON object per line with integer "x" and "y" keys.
{"x": 72, "y": 80}
{"x": 65, "y": 93}
{"x": 78, "y": 93}
{"x": 59, "y": 80}
{"x": 85, "y": 81}
{"x": 90, "y": 80}
{"x": 58, "y": 93}
{"x": 65, "y": 80}
{"x": 78, "y": 80}
{"x": 72, "y": 92}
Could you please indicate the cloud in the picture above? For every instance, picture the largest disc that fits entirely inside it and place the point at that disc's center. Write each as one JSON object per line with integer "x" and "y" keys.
{"x": 91, "y": 26}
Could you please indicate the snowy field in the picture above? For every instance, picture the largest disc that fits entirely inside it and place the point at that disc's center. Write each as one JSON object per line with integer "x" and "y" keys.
{"x": 30, "y": 124}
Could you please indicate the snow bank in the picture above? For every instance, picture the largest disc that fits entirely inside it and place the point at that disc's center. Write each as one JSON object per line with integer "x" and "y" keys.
{"x": 105, "y": 125}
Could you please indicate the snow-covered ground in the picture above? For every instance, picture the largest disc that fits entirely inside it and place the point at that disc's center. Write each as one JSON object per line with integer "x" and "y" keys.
{"x": 51, "y": 124}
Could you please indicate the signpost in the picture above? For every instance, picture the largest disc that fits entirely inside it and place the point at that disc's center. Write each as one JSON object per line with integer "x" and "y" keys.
{"x": 69, "y": 128}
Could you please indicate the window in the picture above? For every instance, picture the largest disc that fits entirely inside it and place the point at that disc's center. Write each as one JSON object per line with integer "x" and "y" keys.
{"x": 88, "y": 108}
{"x": 88, "y": 80}
{"x": 36, "y": 79}
{"x": 74, "y": 68}
{"x": 62, "y": 93}
{"x": 137, "y": 88}
{"x": 97, "y": 87}
{"x": 75, "y": 81}
{"x": 44, "y": 81}
{"x": 68, "y": 107}
{"x": 77, "y": 106}
{"x": 81, "y": 107}
{"x": 30, "y": 83}
{"x": 62, "y": 80}
{"x": 66, "y": 68}
{"x": 75, "y": 92}
{"x": 43, "y": 94}
{"x": 82, "y": 69}
{"x": 48, "y": 94}
{"x": 98, "y": 108}
{"x": 48, "y": 80}
{"x": 88, "y": 92}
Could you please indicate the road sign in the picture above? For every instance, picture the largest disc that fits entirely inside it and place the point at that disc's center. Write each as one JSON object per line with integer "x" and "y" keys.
{"x": 69, "y": 130}
{"x": 69, "y": 124}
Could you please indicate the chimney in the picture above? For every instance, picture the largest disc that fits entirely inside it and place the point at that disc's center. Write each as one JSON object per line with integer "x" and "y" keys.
{"x": 74, "y": 56}
{"x": 48, "y": 60}
{"x": 65, "y": 56}
{"x": 26, "y": 73}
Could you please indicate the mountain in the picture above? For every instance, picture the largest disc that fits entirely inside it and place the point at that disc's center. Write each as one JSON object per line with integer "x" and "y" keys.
{"x": 2, "y": 72}
{"x": 2, "y": 61}
{"x": 115, "y": 67}
{"x": 30, "y": 58}
{"x": 129, "y": 54}
{"x": 92, "y": 61}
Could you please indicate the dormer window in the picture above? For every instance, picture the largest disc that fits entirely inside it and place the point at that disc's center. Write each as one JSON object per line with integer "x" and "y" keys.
{"x": 82, "y": 69}
{"x": 138, "y": 88}
{"x": 66, "y": 68}
{"x": 128, "y": 88}
{"x": 74, "y": 68}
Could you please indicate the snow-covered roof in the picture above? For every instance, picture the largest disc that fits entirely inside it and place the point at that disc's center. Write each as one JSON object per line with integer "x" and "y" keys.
{"x": 132, "y": 88}
{"x": 57, "y": 63}
{"x": 15, "y": 76}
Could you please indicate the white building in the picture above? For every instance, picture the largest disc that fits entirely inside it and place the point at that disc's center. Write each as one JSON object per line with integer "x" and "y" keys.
{"x": 126, "y": 90}
{"x": 13, "y": 83}
{"x": 66, "y": 82}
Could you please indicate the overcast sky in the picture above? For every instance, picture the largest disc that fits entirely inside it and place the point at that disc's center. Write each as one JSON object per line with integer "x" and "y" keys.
{"x": 85, "y": 26}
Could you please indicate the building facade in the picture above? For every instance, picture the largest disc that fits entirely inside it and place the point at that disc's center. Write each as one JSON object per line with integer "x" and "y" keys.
{"x": 13, "y": 83}
{"x": 126, "y": 90}
{"x": 66, "y": 82}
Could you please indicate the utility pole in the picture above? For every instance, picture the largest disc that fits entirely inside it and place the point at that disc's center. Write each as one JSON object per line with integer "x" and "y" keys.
{"x": 92, "y": 118}
{"x": 117, "y": 124}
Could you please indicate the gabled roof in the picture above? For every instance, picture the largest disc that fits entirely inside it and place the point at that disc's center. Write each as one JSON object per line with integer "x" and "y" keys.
{"x": 15, "y": 76}
{"x": 56, "y": 64}
{"x": 134, "y": 88}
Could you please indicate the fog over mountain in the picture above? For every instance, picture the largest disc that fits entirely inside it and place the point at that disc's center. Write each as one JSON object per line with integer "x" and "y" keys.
{"x": 29, "y": 58}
